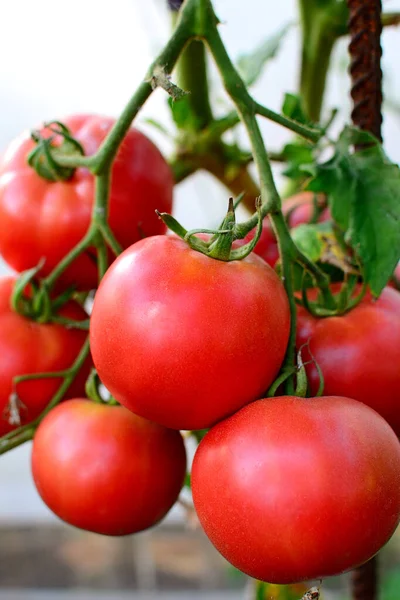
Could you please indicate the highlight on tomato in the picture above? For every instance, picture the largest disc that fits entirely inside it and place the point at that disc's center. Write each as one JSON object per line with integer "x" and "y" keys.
{"x": 103, "y": 469}
{"x": 41, "y": 219}
{"x": 183, "y": 339}
{"x": 290, "y": 489}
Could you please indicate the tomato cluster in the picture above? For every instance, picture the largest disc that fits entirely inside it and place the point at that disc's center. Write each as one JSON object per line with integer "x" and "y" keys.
{"x": 287, "y": 488}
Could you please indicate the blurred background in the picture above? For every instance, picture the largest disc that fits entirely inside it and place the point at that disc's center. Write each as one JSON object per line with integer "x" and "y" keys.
{"x": 89, "y": 56}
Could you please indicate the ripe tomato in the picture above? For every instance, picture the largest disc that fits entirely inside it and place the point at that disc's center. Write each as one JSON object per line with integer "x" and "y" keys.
{"x": 290, "y": 489}
{"x": 104, "y": 469}
{"x": 298, "y": 209}
{"x": 46, "y": 219}
{"x": 358, "y": 353}
{"x": 28, "y": 347}
{"x": 185, "y": 340}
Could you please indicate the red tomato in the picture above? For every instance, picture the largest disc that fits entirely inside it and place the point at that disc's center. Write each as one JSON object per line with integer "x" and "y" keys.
{"x": 298, "y": 209}
{"x": 183, "y": 339}
{"x": 358, "y": 353}
{"x": 29, "y": 347}
{"x": 46, "y": 219}
{"x": 290, "y": 489}
{"x": 104, "y": 469}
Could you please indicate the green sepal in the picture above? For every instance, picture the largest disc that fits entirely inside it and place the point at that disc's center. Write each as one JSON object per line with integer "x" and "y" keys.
{"x": 19, "y": 302}
{"x": 43, "y": 158}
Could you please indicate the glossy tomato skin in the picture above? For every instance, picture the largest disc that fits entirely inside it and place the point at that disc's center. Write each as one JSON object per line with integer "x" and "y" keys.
{"x": 298, "y": 209}
{"x": 42, "y": 219}
{"x": 103, "y": 469}
{"x": 358, "y": 353}
{"x": 28, "y": 347}
{"x": 290, "y": 489}
{"x": 185, "y": 340}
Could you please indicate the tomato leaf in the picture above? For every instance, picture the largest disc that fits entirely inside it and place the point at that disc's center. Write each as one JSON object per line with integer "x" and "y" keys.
{"x": 363, "y": 188}
{"x": 298, "y": 157}
{"x": 320, "y": 243}
{"x": 250, "y": 66}
{"x": 308, "y": 241}
{"x": 293, "y": 108}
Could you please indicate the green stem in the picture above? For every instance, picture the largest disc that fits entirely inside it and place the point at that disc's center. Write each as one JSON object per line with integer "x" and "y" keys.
{"x": 192, "y": 76}
{"x": 70, "y": 323}
{"x": 23, "y": 436}
{"x": 102, "y": 194}
{"x": 219, "y": 126}
{"x": 321, "y": 23}
{"x": 314, "y": 73}
{"x": 32, "y": 376}
{"x": 110, "y": 239}
{"x": 74, "y": 160}
{"x": 307, "y": 133}
{"x": 102, "y": 259}
{"x": 85, "y": 242}
{"x": 390, "y": 19}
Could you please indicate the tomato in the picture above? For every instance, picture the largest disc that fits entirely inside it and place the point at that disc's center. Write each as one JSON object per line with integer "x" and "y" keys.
{"x": 358, "y": 353}
{"x": 291, "y": 489}
{"x": 42, "y": 219}
{"x": 298, "y": 209}
{"x": 28, "y": 347}
{"x": 104, "y": 469}
{"x": 183, "y": 339}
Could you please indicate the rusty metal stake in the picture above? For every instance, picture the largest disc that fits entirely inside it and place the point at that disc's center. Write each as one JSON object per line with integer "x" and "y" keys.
{"x": 365, "y": 50}
{"x": 365, "y": 29}
{"x": 364, "y": 581}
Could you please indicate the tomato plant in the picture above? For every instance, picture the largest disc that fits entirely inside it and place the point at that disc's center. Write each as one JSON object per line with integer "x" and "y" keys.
{"x": 358, "y": 353}
{"x": 104, "y": 469}
{"x": 27, "y": 347}
{"x": 35, "y": 212}
{"x": 183, "y": 339}
{"x": 286, "y": 484}
{"x": 188, "y": 330}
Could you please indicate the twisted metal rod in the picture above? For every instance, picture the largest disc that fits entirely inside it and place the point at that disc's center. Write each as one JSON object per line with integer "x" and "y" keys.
{"x": 365, "y": 29}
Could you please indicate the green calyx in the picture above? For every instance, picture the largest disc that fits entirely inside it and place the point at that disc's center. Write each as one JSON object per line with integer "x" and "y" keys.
{"x": 31, "y": 298}
{"x": 348, "y": 297}
{"x": 36, "y": 305}
{"x": 43, "y": 157}
{"x": 219, "y": 245}
{"x": 92, "y": 390}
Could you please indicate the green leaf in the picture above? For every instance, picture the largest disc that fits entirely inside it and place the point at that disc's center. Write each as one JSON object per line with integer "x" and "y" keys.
{"x": 250, "y": 66}
{"x": 363, "y": 188}
{"x": 293, "y": 108}
{"x": 308, "y": 241}
{"x": 300, "y": 158}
